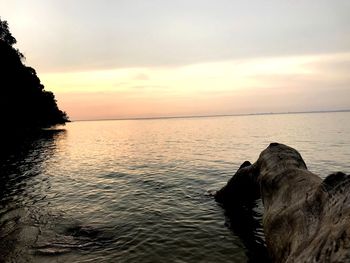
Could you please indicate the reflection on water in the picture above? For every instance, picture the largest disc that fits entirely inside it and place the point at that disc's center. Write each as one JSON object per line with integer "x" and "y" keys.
{"x": 22, "y": 185}
{"x": 138, "y": 191}
{"x": 246, "y": 222}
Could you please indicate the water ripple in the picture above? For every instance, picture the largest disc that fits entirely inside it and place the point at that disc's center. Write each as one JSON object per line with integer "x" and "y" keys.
{"x": 141, "y": 191}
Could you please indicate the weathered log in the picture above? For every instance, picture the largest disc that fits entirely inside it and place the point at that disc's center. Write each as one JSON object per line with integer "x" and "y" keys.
{"x": 241, "y": 189}
{"x": 306, "y": 219}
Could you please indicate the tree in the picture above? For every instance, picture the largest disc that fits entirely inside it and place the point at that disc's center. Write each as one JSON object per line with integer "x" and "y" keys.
{"x": 5, "y": 34}
{"x": 23, "y": 99}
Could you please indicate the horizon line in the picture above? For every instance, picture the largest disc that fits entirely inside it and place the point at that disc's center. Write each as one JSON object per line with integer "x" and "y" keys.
{"x": 211, "y": 115}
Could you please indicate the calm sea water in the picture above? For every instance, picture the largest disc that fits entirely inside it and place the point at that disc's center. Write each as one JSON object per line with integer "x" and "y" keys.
{"x": 139, "y": 190}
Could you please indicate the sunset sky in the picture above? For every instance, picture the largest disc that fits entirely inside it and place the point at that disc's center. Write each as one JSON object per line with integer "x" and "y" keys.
{"x": 137, "y": 58}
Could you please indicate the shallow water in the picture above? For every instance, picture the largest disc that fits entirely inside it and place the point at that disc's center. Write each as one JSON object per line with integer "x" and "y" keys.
{"x": 139, "y": 190}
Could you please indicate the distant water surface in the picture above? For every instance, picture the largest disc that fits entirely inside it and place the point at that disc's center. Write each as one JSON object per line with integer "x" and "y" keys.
{"x": 139, "y": 190}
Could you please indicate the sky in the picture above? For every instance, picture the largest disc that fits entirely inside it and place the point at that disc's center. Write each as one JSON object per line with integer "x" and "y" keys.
{"x": 107, "y": 59}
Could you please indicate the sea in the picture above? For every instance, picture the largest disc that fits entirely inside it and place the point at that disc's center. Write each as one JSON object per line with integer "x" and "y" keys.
{"x": 142, "y": 190}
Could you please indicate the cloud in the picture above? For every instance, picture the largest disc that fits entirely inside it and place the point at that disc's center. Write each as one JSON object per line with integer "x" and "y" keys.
{"x": 61, "y": 36}
{"x": 150, "y": 87}
{"x": 141, "y": 76}
{"x": 292, "y": 83}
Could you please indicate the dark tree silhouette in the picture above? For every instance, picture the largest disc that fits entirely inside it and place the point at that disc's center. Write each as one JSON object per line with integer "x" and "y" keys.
{"x": 5, "y": 34}
{"x": 23, "y": 101}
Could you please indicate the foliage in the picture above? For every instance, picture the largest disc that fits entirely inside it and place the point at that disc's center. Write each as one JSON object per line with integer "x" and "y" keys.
{"x": 5, "y": 34}
{"x": 23, "y": 100}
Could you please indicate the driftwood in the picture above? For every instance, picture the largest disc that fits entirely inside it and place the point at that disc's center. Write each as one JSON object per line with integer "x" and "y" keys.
{"x": 305, "y": 219}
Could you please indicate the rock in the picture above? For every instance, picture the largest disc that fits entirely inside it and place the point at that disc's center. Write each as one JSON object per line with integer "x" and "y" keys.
{"x": 305, "y": 219}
